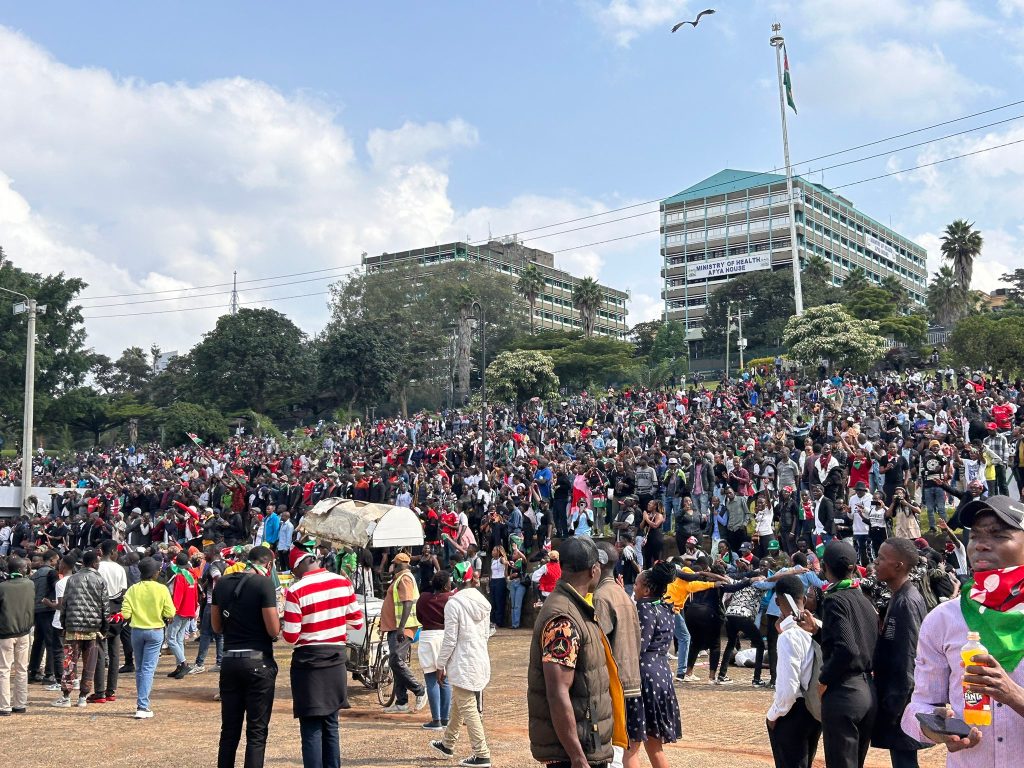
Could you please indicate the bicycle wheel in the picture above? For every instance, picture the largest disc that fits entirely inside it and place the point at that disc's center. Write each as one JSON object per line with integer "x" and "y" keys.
{"x": 385, "y": 682}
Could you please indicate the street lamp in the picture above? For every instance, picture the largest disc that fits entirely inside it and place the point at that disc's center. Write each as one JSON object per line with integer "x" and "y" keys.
{"x": 480, "y": 316}
{"x": 29, "y": 307}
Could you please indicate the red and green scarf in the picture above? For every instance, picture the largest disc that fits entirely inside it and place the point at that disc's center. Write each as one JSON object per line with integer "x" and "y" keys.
{"x": 993, "y": 606}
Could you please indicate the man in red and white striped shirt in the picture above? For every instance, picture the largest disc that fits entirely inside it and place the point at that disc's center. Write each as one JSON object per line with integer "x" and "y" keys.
{"x": 320, "y": 608}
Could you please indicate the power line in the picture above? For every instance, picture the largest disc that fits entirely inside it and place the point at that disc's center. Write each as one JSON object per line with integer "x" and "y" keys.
{"x": 761, "y": 173}
{"x": 209, "y": 306}
{"x": 215, "y": 293}
{"x": 215, "y": 285}
{"x": 825, "y": 168}
{"x": 583, "y": 245}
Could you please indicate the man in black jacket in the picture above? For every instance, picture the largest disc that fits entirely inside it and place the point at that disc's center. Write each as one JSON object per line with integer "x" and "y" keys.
{"x": 83, "y": 615}
{"x": 44, "y": 579}
{"x": 896, "y": 651}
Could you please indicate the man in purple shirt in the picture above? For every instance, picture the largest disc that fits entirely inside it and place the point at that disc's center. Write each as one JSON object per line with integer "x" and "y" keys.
{"x": 996, "y": 552}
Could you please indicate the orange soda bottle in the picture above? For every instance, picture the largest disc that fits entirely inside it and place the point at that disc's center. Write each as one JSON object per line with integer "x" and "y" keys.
{"x": 977, "y": 706}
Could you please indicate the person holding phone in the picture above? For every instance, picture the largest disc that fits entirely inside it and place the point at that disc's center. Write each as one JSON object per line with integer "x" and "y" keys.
{"x": 993, "y": 605}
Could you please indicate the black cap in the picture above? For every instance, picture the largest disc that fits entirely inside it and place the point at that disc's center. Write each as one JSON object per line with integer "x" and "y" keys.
{"x": 1006, "y": 509}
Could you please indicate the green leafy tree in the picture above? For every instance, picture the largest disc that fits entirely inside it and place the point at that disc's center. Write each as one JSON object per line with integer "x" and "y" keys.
{"x": 257, "y": 359}
{"x": 359, "y": 360}
{"x": 62, "y": 360}
{"x": 897, "y": 292}
{"x": 178, "y": 419}
{"x": 961, "y": 246}
{"x": 587, "y": 298}
{"x": 670, "y": 343}
{"x": 816, "y": 283}
{"x": 831, "y": 333}
{"x": 581, "y": 362}
{"x": 85, "y": 410}
{"x": 643, "y": 336}
{"x": 515, "y": 377}
{"x": 131, "y": 372}
{"x": 530, "y": 286}
{"x": 993, "y": 339}
{"x": 856, "y": 280}
{"x": 907, "y": 329}
{"x": 766, "y": 299}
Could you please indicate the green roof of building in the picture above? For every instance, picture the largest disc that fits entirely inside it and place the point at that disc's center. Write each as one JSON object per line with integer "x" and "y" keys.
{"x": 723, "y": 183}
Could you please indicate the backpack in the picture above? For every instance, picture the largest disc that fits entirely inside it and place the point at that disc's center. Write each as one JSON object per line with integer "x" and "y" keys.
{"x": 812, "y": 694}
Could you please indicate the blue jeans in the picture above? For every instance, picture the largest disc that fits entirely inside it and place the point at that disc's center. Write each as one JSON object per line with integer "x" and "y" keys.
{"x": 176, "y": 637}
{"x": 935, "y": 503}
{"x": 439, "y": 695}
{"x": 701, "y": 503}
{"x": 518, "y": 592}
{"x": 321, "y": 747}
{"x": 146, "y": 650}
{"x": 672, "y": 505}
{"x": 682, "y": 635}
{"x": 206, "y": 634}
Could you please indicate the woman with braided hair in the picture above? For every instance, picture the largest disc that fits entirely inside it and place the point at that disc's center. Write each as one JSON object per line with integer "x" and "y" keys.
{"x": 653, "y": 719}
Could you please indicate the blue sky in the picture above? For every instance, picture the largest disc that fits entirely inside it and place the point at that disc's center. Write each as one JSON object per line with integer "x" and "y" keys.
{"x": 156, "y": 148}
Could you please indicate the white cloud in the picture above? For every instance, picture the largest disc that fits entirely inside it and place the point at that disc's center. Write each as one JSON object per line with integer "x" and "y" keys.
{"x": 625, "y": 20}
{"x": 645, "y": 307}
{"x": 414, "y": 142}
{"x": 889, "y": 80}
{"x": 841, "y": 18}
{"x": 142, "y": 187}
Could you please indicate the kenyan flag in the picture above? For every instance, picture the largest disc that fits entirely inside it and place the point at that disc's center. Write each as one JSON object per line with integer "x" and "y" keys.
{"x": 819, "y": 546}
{"x": 194, "y": 438}
{"x": 786, "y": 81}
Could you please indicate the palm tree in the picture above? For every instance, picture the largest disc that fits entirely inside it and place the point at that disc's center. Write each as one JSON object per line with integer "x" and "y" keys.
{"x": 945, "y": 299}
{"x": 587, "y": 298}
{"x": 961, "y": 245}
{"x": 531, "y": 283}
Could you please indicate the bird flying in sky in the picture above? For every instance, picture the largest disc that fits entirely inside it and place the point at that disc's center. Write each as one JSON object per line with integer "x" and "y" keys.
{"x": 696, "y": 21}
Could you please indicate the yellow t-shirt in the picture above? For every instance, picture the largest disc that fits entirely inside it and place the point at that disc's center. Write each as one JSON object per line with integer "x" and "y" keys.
{"x": 146, "y": 605}
{"x": 678, "y": 591}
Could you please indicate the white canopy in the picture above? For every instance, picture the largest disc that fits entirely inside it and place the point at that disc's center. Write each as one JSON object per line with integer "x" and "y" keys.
{"x": 360, "y": 524}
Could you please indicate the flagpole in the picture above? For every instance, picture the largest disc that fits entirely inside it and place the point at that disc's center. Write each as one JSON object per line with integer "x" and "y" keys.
{"x": 777, "y": 42}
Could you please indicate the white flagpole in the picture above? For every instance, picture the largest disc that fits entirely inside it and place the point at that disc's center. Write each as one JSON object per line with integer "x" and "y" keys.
{"x": 777, "y": 41}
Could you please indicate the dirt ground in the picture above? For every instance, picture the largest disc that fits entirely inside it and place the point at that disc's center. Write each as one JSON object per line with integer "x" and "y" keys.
{"x": 721, "y": 724}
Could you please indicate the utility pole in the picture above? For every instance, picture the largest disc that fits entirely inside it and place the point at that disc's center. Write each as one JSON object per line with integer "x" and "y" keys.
{"x": 741, "y": 343}
{"x": 778, "y": 42}
{"x": 32, "y": 309}
{"x": 234, "y": 294}
{"x": 728, "y": 335}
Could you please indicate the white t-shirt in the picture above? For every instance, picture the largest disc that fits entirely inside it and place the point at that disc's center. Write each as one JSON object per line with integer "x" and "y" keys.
{"x": 58, "y": 591}
{"x": 860, "y": 505}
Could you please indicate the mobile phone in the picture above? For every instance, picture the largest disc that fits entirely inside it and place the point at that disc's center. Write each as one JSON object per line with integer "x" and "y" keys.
{"x": 950, "y": 726}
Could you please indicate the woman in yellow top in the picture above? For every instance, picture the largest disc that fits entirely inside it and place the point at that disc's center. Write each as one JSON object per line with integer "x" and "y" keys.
{"x": 147, "y": 607}
{"x": 685, "y": 583}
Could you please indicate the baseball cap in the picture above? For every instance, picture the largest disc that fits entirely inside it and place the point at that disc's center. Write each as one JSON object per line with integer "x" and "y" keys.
{"x": 673, "y": 460}
{"x": 773, "y": 545}
{"x": 401, "y": 557}
{"x": 1006, "y": 509}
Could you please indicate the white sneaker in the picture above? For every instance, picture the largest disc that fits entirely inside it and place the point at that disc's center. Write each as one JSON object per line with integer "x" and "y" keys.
{"x": 63, "y": 702}
{"x": 82, "y": 701}
{"x": 690, "y": 679}
{"x": 143, "y": 714}
{"x": 197, "y": 669}
{"x": 397, "y": 709}
{"x": 421, "y": 702}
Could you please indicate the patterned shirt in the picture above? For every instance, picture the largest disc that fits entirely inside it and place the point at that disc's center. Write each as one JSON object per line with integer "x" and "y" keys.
{"x": 560, "y": 642}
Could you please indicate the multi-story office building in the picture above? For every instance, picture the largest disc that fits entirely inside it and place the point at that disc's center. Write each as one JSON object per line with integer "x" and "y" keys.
{"x": 554, "y": 309}
{"x": 738, "y": 221}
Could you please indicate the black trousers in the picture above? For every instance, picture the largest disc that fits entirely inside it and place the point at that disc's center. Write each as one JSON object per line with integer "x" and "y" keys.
{"x": 734, "y": 627}
{"x": 705, "y": 635}
{"x": 795, "y": 737}
{"x": 847, "y": 717}
{"x": 399, "y": 653}
{"x": 246, "y": 692}
{"x": 43, "y": 640}
{"x": 736, "y": 538}
{"x": 772, "y": 634}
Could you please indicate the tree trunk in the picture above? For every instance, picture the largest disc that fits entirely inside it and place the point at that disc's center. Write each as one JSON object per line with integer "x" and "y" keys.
{"x": 533, "y": 306}
{"x": 462, "y": 363}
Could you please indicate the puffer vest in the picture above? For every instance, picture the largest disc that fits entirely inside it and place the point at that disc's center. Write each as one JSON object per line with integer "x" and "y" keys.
{"x": 590, "y": 692}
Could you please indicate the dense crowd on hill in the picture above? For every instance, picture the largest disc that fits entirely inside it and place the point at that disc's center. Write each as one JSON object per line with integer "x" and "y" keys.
{"x": 710, "y": 500}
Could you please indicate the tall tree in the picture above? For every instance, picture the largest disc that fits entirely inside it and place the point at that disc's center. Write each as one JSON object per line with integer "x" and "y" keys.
{"x": 530, "y": 285}
{"x": 816, "y": 283}
{"x": 587, "y": 298}
{"x": 830, "y": 332}
{"x": 961, "y": 245}
{"x": 62, "y": 360}
{"x": 643, "y": 335}
{"x": 515, "y": 377}
{"x": 359, "y": 360}
{"x": 944, "y": 298}
{"x": 856, "y": 279}
{"x": 897, "y": 292}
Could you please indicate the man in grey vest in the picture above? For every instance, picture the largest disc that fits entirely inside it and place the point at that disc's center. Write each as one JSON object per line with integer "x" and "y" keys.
{"x": 569, "y": 684}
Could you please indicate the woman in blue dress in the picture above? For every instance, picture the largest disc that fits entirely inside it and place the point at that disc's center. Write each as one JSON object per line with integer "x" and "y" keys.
{"x": 660, "y": 715}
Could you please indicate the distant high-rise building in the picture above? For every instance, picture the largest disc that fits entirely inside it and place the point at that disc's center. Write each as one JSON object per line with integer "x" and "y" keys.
{"x": 554, "y": 309}
{"x": 738, "y": 221}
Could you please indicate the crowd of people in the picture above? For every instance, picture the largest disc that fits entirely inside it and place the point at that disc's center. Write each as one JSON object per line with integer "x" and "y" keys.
{"x": 826, "y": 522}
